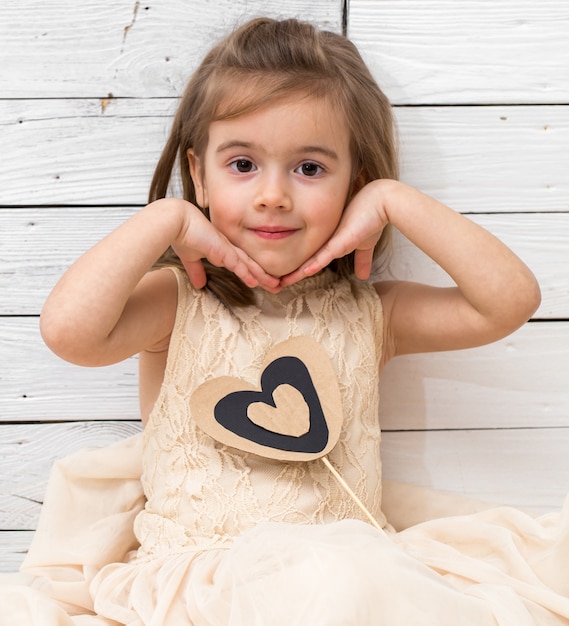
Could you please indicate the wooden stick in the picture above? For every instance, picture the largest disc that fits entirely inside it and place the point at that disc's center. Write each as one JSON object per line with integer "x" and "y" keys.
{"x": 355, "y": 498}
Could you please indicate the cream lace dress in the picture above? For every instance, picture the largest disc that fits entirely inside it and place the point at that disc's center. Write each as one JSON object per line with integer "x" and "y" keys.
{"x": 189, "y": 479}
{"x": 224, "y": 538}
{"x": 230, "y": 538}
{"x": 201, "y": 495}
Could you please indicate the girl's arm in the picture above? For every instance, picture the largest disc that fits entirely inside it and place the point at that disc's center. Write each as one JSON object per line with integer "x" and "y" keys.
{"x": 495, "y": 293}
{"x": 108, "y": 306}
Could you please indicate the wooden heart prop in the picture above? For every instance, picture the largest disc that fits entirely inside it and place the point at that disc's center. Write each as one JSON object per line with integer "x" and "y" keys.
{"x": 296, "y": 415}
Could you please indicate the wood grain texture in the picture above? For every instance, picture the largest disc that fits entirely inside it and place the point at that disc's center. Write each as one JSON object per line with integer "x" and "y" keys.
{"x": 476, "y": 159}
{"x": 37, "y": 245}
{"x": 520, "y": 381}
{"x": 127, "y": 48}
{"x": 488, "y": 159}
{"x": 81, "y": 151}
{"x": 27, "y": 453}
{"x": 36, "y": 385}
{"x": 527, "y": 469}
{"x": 467, "y": 52}
{"x": 13, "y": 547}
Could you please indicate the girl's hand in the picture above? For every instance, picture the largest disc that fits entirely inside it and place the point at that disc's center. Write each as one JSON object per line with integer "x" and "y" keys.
{"x": 359, "y": 231}
{"x": 199, "y": 239}
{"x": 495, "y": 292}
{"x": 108, "y": 305}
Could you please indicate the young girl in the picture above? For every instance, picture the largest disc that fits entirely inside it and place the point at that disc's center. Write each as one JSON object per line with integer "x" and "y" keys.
{"x": 286, "y": 153}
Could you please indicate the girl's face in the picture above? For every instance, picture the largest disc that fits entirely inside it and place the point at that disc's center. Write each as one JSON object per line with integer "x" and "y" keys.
{"x": 276, "y": 180}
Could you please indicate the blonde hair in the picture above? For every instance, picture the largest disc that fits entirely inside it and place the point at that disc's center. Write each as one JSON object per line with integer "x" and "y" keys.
{"x": 261, "y": 61}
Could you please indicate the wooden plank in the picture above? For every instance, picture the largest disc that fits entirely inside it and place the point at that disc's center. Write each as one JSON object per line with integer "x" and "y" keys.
{"x": 488, "y": 159}
{"x": 126, "y": 47}
{"x": 84, "y": 151}
{"x": 520, "y": 381}
{"x": 36, "y": 385}
{"x": 13, "y": 547}
{"x": 476, "y": 159}
{"x": 447, "y": 52}
{"x": 527, "y": 469}
{"x": 541, "y": 240}
{"x": 524, "y": 468}
{"x": 27, "y": 452}
{"x": 38, "y": 244}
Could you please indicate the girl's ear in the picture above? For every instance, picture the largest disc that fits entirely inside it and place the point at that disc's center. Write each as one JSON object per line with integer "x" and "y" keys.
{"x": 196, "y": 172}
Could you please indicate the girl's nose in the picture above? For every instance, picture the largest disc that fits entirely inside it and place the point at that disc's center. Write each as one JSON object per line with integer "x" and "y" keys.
{"x": 273, "y": 193}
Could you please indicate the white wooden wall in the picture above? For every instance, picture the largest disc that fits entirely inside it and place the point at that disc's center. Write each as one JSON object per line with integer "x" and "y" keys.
{"x": 481, "y": 94}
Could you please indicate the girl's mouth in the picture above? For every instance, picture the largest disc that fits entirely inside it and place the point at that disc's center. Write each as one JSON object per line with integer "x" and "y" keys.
{"x": 273, "y": 232}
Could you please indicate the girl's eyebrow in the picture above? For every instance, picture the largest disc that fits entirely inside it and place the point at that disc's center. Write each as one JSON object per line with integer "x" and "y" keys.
{"x": 322, "y": 150}
{"x": 236, "y": 143}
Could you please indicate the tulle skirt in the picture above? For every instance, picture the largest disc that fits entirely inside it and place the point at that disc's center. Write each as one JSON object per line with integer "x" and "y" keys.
{"x": 494, "y": 567}
{"x": 291, "y": 575}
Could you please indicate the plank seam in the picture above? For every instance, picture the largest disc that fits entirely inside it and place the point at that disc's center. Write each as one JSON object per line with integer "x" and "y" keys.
{"x": 472, "y": 429}
{"x": 462, "y": 105}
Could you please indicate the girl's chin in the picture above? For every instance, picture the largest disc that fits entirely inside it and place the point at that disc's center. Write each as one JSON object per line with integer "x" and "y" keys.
{"x": 278, "y": 270}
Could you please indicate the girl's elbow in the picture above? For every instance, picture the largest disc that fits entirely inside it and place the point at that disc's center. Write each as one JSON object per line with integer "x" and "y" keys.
{"x": 56, "y": 336}
{"x": 64, "y": 340}
{"x": 534, "y": 298}
{"x": 514, "y": 308}
{"x": 531, "y": 298}
{"x": 527, "y": 303}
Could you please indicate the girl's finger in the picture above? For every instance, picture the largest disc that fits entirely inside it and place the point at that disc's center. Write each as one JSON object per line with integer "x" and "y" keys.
{"x": 257, "y": 272}
{"x": 196, "y": 273}
{"x": 363, "y": 260}
{"x": 238, "y": 262}
{"x": 302, "y": 272}
{"x": 341, "y": 243}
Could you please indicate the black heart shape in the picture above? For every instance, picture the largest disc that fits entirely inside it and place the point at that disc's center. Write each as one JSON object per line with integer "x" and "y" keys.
{"x": 231, "y": 410}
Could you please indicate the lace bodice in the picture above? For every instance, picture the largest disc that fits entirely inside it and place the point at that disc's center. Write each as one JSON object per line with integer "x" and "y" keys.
{"x": 202, "y": 494}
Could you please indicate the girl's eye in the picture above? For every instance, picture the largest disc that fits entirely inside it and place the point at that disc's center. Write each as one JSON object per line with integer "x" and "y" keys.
{"x": 242, "y": 166}
{"x": 310, "y": 169}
